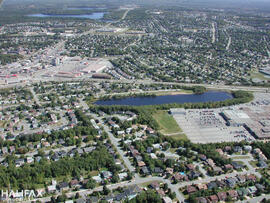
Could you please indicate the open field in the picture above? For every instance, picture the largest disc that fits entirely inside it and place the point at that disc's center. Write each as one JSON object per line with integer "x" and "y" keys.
{"x": 179, "y": 136}
{"x": 256, "y": 74}
{"x": 161, "y": 93}
{"x": 167, "y": 123}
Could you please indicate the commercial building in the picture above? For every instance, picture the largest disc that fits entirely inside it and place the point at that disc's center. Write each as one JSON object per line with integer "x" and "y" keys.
{"x": 235, "y": 118}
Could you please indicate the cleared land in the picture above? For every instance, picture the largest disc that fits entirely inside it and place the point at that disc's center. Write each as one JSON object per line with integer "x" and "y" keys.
{"x": 168, "y": 125}
{"x": 256, "y": 74}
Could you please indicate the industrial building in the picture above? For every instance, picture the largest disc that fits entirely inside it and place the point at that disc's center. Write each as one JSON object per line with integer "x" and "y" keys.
{"x": 235, "y": 118}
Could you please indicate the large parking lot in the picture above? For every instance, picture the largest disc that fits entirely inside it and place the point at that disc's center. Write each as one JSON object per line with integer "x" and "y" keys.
{"x": 207, "y": 126}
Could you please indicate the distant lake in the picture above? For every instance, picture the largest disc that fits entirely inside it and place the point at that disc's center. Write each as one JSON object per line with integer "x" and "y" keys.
{"x": 211, "y": 96}
{"x": 84, "y": 8}
{"x": 93, "y": 16}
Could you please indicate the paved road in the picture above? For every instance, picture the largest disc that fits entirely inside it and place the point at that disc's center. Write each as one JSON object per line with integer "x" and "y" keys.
{"x": 209, "y": 86}
{"x": 255, "y": 199}
{"x": 34, "y": 96}
{"x": 246, "y": 162}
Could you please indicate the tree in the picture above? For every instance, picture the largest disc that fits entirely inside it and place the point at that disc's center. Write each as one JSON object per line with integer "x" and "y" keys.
{"x": 106, "y": 191}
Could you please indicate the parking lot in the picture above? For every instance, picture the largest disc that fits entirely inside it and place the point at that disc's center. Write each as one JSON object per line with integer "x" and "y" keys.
{"x": 207, "y": 126}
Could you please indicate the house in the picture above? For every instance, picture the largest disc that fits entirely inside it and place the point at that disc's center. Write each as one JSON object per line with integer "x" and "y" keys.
{"x": 210, "y": 162}
{"x": 150, "y": 131}
{"x": 128, "y": 130}
{"x": 12, "y": 149}
{"x": 106, "y": 174}
{"x": 260, "y": 187}
{"x": 202, "y": 157}
{"x": 237, "y": 149}
{"x": 88, "y": 149}
{"x": 169, "y": 171}
{"x": 191, "y": 167}
{"x": 122, "y": 175}
{"x": 29, "y": 159}
{"x": 74, "y": 183}
{"x": 38, "y": 158}
{"x": 46, "y": 144}
{"x": 138, "y": 158}
{"x": 51, "y": 188}
{"x": 80, "y": 151}
{"x": 222, "y": 196}
{"x": 145, "y": 170}
{"x": 155, "y": 185}
{"x": 81, "y": 200}
{"x": 61, "y": 142}
{"x": 221, "y": 183}
{"x": 55, "y": 157}
{"x": 232, "y": 194}
{"x": 202, "y": 186}
{"x": 252, "y": 190}
{"x": 251, "y": 177}
{"x": 241, "y": 178}
{"x": 19, "y": 162}
{"x": 109, "y": 198}
{"x": 237, "y": 165}
{"x": 242, "y": 192}
{"x": 217, "y": 170}
{"x": 212, "y": 199}
{"x": 231, "y": 182}
{"x": 201, "y": 200}
{"x": 121, "y": 132}
{"x": 228, "y": 148}
{"x": 262, "y": 164}
{"x": 141, "y": 164}
{"x": 4, "y": 150}
{"x": 228, "y": 167}
{"x": 158, "y": 170}
{"x": 92, "y": 199}
{"x": 212, "y": 185}
{"x": 149, "y": 150}
{"x": 191, "y": 189}
{"x": 63, "y": 186}
{"x": 248, "y": 148}
{"x": 194, "y": 175}
{"x": 98, "y": 179}
{"x": 220, "y": 151}
{"x": 179, "y": 177}
{"x": 167, "y": 200}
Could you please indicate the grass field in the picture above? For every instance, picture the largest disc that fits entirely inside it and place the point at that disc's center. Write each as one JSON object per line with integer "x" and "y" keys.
{"x": 161, "y": 93}
{"x": 168, "y": 125}
{"x": 166, "y": 122}
{"x": 180, "y": 136}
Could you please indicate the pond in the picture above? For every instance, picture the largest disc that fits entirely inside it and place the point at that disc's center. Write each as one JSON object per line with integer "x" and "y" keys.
{"x": 93, "y": 16}
{"x": 85, "y": 8}
{"x": 211, "y": 96}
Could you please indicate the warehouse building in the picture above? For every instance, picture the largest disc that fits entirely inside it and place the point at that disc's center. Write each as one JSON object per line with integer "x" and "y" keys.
{"x": 235, "y": 118}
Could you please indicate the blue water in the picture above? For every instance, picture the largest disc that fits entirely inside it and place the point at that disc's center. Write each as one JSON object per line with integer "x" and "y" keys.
{"x": 168, "y": 99}
{"x": 84, "y": 8}
{"x": 93, "y": 16}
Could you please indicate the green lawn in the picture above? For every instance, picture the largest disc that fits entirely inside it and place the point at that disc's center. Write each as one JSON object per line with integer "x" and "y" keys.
{"x": 179, "y": 136}
{"x": 241, "y": 157}
{"x": 167, "y": 123}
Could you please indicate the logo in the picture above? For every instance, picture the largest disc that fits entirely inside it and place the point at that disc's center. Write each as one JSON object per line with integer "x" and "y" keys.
{"x": 20, "y": 195}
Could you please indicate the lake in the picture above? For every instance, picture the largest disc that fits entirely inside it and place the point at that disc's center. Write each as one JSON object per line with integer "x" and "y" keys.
{"x": 210, "y": 96}
{"x": 93, "y": 16}
{"x": 84, "y": 8}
